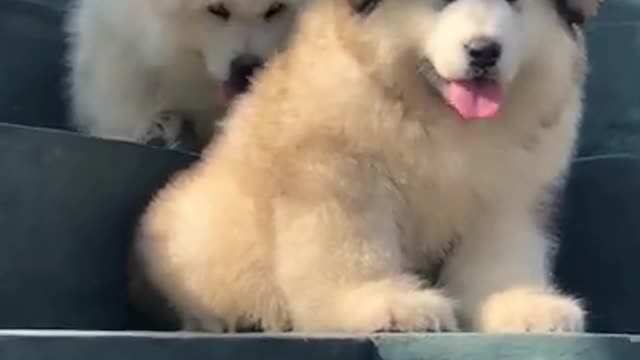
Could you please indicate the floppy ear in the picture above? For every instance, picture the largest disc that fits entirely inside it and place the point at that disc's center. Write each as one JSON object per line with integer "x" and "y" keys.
{"x": 364, "y": 7}
{"x": 576, "y": 12}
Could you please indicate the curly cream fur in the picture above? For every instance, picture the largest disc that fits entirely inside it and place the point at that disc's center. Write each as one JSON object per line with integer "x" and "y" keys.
{"x": 343, "y": 175}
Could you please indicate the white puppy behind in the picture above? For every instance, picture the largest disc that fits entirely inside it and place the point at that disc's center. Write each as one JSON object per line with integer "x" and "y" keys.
{"x": 140, "y": 69}
{"x": 390, "y": 137}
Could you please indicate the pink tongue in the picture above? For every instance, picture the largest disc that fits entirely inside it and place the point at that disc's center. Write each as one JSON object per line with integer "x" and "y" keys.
{"x": 222, "y": 93}
{"x": 475, "y": 99}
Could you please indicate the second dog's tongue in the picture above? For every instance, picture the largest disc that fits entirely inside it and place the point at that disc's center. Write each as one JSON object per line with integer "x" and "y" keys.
{"x": 223, "y": 93}
{"x": 475, "y": 99}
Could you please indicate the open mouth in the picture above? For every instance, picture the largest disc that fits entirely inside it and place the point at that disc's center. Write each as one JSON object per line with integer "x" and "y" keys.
{"x": 229, "y": 89}
{"x": 226, "y": 92}
{"x": 478, "y": 97}
{"x": 243, "y": 69}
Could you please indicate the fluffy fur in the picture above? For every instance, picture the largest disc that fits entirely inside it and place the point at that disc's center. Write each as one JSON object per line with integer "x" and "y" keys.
{"x": 141, "y": 69}
{"x": 345, "y": 174}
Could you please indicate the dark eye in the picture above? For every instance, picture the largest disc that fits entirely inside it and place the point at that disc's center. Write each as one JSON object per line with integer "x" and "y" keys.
{"x": 364, "y": 7}
{"x": 274, "y": 10}
{"x": 220, "y": 11}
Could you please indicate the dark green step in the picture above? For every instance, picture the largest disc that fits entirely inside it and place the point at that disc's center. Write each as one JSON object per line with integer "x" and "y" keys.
{"x": 102, "y": 346}
{"x": 69, "y": 205}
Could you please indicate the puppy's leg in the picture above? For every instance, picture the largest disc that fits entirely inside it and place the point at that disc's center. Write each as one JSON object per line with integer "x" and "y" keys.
{"x": 165, "y": 129}
{"x": 341, "y": 268}
{"x": 115, "y": 97}
{"x": 500, "y": 274}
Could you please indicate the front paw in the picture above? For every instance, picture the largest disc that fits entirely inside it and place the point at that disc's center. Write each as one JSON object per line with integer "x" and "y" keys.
{"x": 165, "y": 130}
{"x": 398, "y": 306}
{"x": 530, "y": 311}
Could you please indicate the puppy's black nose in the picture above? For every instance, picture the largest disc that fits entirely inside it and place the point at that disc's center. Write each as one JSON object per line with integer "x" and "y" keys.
{"x": 242, "y": 68}
{"x": 483, "y": 52}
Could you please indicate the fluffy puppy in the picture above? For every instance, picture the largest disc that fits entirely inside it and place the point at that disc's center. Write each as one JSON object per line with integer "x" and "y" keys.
{"x": 390, "y": 138}
{"x": 146, "y": 70}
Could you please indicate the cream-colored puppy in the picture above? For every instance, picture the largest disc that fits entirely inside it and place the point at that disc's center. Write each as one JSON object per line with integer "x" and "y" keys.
{"x": 392, "y": 136}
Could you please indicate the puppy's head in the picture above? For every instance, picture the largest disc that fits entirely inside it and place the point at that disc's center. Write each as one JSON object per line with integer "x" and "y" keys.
{"x": 471, "y": 51}
{"x": 478, "y": 47}
{"x": 235, "y": 37}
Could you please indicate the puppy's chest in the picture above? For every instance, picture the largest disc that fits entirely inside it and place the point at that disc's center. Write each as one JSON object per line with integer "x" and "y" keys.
{"x": 449, "y": 179}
